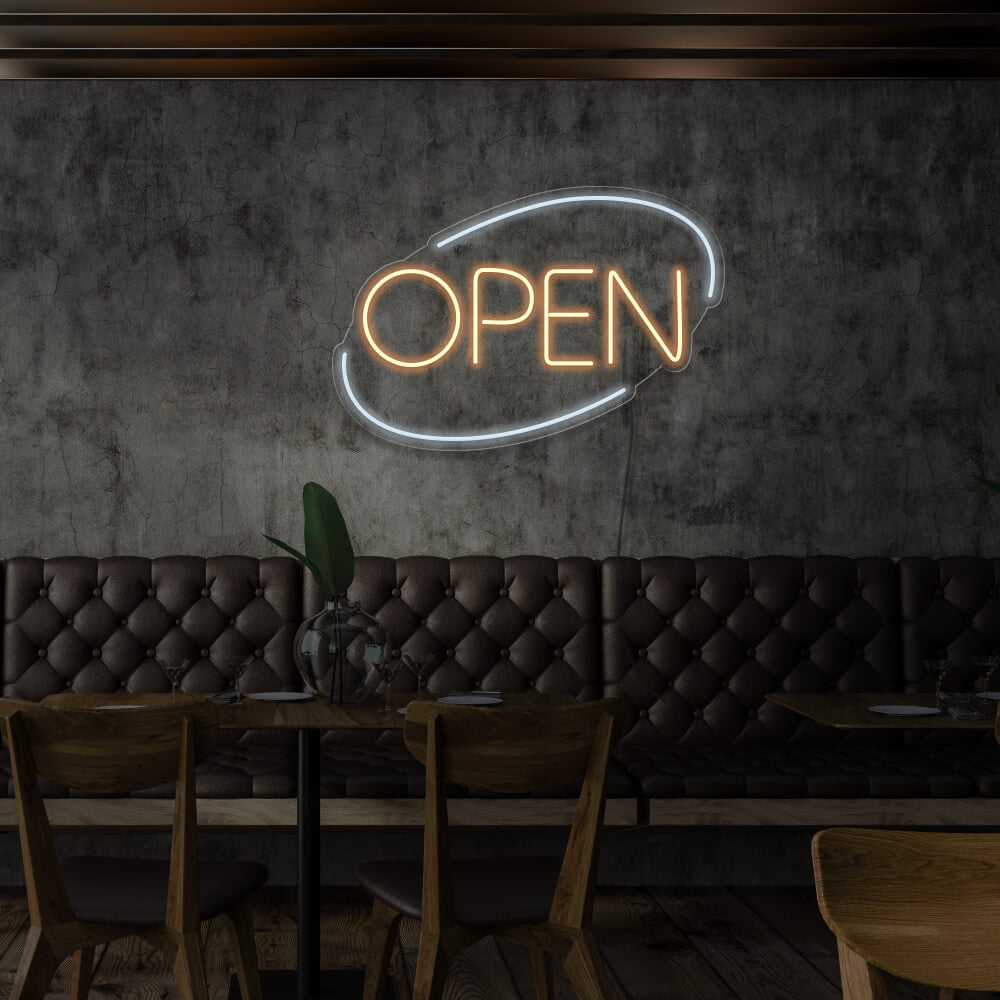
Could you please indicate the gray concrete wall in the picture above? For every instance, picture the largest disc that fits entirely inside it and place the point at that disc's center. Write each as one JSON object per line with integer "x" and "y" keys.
{"x": 178, "y": 261}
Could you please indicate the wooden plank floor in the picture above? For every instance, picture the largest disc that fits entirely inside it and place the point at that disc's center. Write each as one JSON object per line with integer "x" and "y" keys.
{"x": 682, "y": 944}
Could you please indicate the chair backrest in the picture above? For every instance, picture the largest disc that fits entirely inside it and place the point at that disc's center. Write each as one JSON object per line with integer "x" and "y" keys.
{"x": 509, "y": 750}
{"x": 116, "y": 751}
{"x": 110, "y": 751}
{"x": 922, "y": 906}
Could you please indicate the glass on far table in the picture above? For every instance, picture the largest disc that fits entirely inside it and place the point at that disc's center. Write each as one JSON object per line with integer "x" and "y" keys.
{"x": 418, "y": 664}
{"x": 238, "y": 666}
{"x": 175, "y": 671}
{"x": 948, "y": 682}
{"x": 387, "y": 669}
{"x": 985, "y": 666}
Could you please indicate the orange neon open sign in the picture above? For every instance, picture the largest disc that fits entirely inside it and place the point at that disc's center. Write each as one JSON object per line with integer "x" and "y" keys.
{"x": 673, "y": 347}
{"x": 462, "y": 344}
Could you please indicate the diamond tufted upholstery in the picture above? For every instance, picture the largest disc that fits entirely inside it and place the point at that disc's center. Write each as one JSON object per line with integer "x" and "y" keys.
{"x": 694, "y": 645}
{"x": 98, "y": 625}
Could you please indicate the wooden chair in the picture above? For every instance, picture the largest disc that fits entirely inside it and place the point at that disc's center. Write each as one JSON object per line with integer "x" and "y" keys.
{"x": 79, "y": 903}
{"x": 545, "y": 903}
{"x": 923, "y": 906}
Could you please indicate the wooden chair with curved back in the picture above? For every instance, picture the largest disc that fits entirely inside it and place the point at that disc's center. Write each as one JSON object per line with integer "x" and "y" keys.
{"x": 79, "y": 903}
{"x": 543, "y": 902}
{"x": 923, "y": 906}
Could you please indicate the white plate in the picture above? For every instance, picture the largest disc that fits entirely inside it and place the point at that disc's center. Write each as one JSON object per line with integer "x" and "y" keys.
{"x": 471, "y": 699}
{"x": 281, "y": 696}
{"x": 904, "y": 710}
{"x": 113, "y": 708}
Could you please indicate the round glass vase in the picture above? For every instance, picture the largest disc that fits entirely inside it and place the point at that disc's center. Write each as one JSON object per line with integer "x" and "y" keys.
{"x": 338, "y": 652}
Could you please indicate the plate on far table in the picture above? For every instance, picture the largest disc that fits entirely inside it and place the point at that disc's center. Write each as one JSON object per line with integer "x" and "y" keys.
{"x": 471, "y": 699}
{"x": 904, "y": 710}
{"x": 281, "y": 696}
{"x": 113, "y": 708}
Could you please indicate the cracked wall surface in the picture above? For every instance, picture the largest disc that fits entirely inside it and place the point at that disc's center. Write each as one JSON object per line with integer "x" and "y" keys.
{"x": 178, "y": 260}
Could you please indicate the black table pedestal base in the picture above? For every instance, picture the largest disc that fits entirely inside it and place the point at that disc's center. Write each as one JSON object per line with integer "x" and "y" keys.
{"x": 334, "y": 984}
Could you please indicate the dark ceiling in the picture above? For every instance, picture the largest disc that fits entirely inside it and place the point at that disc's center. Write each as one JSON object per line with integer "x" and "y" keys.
{"x": 545, "y": 39}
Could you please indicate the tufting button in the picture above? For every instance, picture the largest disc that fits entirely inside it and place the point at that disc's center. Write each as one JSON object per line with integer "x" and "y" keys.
{"x": 831, "y": 622}
{"x": 475, "y": 621}
{"x": 643, "y": 713}
{"x": 697, "y": 713}
{"x": 205, "y": 591}
{"x": 396, "y": 591}
{"x": 97, "y": 591}
{"x": 670, "y": 684}
{"x": 475, "y": 684}
{"x": 557, "y": 592}
{"x": 531, "y": 684}
{"x": 696, "y": 653}
{"x": 69, "y": 622}
{"x": 204, "y": 654}
{"x": 123, "y": 684}
{"x": 177, "y": 622}
{"x": 151, "y": 592}
{"x": 752, "y": 713}
{"x": 125, "y": 621}
{"x": 642, "y": 654}
{"x": 859, "y": 652}
{"x": 695, "y": 592}
{"x": 504, "y": 591}
{"x": 97, "y": 654}
{"x": 993, "y": 592}
{"x": 395, "y": 654}
{"x": 42, "y": 653}
{"x": 803, "y": 592}
{"x": 232, "y": 622}
{"x": 559, "y": 654}
{"x": 450, "y": 653}
{"x": 806, "y": 653}
{"x": 69, "y": 684}
{"x": 259, "y": 592}
{"x": 449, "y": 592}
{"x": 968, "y": 621}
{"x": 531, "y": 622}
{"x": 668, "y": 621}
{"x": 751, "y": 654}
{"x": 641, "y": 592}
{"x": 504, "y": 653}
{"x": 151, "y": 654}
{"x": 43, "y": 592}
{"x": 857, "y": 591}
{"x": 777, "y": 623}
{"x": 748, "y": 592}
{"x": 423, "y": 621}
{"x": 259, "y": 654}
{"x": 939, "y": 592}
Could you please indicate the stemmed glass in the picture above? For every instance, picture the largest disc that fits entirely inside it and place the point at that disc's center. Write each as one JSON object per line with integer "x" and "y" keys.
{"x": 938, "y": 669}
{"x": 175, "y": 670}
{"x": 239, "y": 666}
{"x": 985, "y": 665}
{"x": 387, "y": 670}
{"x": 418, "y": 663}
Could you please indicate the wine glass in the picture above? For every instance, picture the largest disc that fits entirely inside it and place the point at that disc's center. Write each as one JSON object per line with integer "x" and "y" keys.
{"x": 387, "y": 670}
{"x": 418, "y": 663}
{"x": 175, "y": 670}
{"x": 938, "y": 670}
{"x": 985, "y": 665}
{"x": 239, "y": 665}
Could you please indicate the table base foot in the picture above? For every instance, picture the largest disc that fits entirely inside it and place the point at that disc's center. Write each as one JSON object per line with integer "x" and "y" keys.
{"x": 334, "y": 984}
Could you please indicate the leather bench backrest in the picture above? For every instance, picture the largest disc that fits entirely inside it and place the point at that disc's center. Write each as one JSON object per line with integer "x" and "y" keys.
{"x": 98, "y": 625}
{"x": 694, "y": 645}
{"x": 950, "y": 609}
{"x": 516, "y": 624}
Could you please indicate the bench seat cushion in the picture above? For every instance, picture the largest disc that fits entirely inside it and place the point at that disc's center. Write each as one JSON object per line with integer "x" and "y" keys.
{"x": 980, "y": 764}
{"x": 388, "y": 770}
{"x": 802, "y": 771}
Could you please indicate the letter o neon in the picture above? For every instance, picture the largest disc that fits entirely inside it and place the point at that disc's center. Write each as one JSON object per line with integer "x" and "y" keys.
{"x": 418, "y": 272}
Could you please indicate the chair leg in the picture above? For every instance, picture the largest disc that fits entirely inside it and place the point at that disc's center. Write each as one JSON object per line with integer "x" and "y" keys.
{"x": 858, "y": 979}
{"x": 240, "y": 923}
{"x": 37, "y": 967}
{"x": 432, "y": 968}
{"x": 585, "y": 967}
{"x": 541, "y": 967}
{"x": 189, "y": 967}
{"x": 83, "y": 969}
{"x": 381, "y": 940}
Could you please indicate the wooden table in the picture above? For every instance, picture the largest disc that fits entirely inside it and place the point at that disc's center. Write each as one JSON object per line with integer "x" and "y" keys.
{"x": 309, "y": 718}
{"x": 850, "y": 711}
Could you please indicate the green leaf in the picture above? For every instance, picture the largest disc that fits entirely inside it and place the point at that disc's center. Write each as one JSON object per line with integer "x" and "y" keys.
{"x": 990, "y": 483}
{"x": 328, "y": 543}
{"x": 323, "y": 583}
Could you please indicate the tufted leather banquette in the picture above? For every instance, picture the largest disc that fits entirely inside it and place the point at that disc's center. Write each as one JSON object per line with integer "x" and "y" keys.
{"x": 692, "y": 646}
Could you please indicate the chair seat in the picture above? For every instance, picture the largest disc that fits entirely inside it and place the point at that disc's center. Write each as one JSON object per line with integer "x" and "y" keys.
{"x": 487, "y": 891}
{"x": 794, "y": 771}
{"x": 134, "y": 891}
